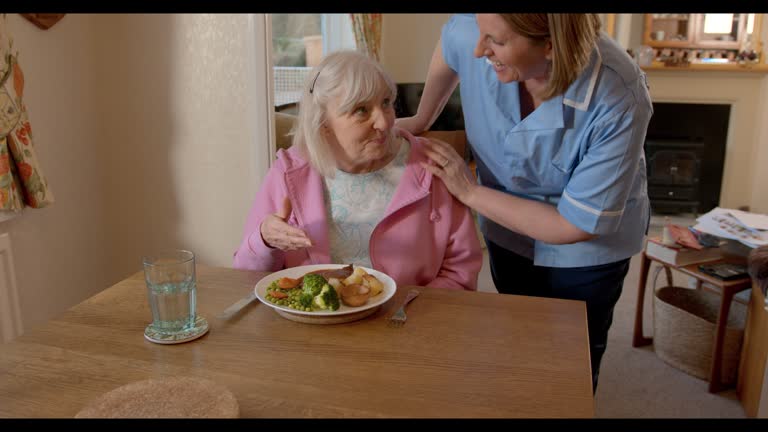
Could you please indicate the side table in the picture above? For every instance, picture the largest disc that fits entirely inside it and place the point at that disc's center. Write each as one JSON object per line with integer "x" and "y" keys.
{"x": 726, "y": 290}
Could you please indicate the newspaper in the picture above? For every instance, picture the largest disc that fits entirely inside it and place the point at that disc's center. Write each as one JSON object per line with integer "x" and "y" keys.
{"x": 726, "y": 224}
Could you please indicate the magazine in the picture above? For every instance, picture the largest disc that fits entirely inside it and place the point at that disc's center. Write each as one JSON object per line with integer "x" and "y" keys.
{"x": 722, "y": 223}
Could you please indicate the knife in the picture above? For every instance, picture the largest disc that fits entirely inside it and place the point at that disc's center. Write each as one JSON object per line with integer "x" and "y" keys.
{"x": 236, "y": 307}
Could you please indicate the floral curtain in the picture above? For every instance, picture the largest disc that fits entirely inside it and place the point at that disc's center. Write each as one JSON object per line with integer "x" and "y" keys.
{"x": 22, "y": 182}
{"x": 367, "y": 29}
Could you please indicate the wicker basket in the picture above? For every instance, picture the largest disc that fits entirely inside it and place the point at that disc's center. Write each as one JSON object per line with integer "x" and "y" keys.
{"x": 684, "y": 330}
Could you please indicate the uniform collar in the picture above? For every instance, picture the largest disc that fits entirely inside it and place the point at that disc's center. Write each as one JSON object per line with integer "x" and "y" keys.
{"x": 548, "y": 115}
{"x": 579, "y": 94}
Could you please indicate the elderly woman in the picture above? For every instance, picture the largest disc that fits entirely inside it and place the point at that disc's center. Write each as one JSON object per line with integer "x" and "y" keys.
{"x": 353, "y": 189}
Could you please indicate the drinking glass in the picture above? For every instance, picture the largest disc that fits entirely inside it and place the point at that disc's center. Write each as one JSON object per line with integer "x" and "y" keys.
{"x": 172, "y": 291}
{"x": 645, "y": 55}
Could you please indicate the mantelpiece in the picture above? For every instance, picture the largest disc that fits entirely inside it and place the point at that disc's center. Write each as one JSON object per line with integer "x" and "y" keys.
{"x": 761, "y": 68}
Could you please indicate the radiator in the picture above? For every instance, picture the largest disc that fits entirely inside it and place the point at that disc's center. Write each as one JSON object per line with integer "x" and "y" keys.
{"x": 10, "y": 311}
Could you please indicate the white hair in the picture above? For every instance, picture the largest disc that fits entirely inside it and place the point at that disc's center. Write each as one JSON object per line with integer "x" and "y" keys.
{"x": 347, "y": 77}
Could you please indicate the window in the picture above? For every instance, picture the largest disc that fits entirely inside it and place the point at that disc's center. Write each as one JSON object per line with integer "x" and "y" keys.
{"x": 298, "y": 43}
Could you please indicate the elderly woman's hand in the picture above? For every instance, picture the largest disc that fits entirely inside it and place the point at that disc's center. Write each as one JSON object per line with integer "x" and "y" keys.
{"x": 451, "y": 169}
{"x": 277, "y": 233}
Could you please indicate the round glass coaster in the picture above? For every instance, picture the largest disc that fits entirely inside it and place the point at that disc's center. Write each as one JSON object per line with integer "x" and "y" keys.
{"x": 200, "y": 328}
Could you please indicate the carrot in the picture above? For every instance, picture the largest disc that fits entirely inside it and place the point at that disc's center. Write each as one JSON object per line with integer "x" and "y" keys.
{"x": 288, "y": 283}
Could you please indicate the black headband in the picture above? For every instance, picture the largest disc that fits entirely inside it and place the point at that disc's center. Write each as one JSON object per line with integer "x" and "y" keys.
{"x": 312, "y": 87}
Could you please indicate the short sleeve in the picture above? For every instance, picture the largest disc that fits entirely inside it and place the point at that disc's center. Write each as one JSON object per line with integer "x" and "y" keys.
{"x": 596, "y": 194}
{"x": 449, "y": 42}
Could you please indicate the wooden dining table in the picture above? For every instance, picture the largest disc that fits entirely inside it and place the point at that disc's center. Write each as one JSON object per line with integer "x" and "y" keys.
{"x": 460, "y": 355}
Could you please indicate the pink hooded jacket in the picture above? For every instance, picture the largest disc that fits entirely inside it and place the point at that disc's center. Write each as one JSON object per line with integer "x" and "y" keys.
{"x": 426, "y": 237}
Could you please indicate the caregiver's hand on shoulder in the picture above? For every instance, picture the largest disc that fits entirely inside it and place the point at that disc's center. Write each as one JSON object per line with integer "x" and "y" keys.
{"x": 277, "y": 233}
{"x": 450, "y": 168}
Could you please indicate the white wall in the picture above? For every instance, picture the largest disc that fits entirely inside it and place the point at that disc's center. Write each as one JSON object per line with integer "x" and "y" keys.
{"x": 59, "y": 251}
{"x": 407, "y": 43}
{"x": 185, "y": 104}
{"x": 152, "y": 130}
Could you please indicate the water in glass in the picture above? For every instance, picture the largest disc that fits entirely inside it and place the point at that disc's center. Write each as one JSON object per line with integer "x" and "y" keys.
{"x": 173, "y": 305}
{"x": 172, "y": 290}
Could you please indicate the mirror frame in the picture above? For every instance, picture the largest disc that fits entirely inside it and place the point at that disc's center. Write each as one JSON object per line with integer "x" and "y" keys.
{"x": 757, "y": 29}
{"x": 757, "y": 33}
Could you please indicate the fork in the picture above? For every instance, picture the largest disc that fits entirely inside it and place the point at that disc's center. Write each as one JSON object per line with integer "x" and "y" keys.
{"x": 398, "y": 318}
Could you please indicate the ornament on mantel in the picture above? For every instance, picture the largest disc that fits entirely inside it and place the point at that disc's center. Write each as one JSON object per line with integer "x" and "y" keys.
{"x": 747, "y": 54}
{"x": 666, "y": 234}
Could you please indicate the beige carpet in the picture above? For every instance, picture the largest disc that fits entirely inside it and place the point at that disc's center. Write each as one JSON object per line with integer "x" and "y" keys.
{"x": 634, "y": 382}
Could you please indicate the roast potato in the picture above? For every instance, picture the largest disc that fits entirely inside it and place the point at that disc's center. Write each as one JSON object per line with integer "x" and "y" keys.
{"x": 356, "y": 277}
{"x": 355, "y": 294}
{"x": 374, "y": 284}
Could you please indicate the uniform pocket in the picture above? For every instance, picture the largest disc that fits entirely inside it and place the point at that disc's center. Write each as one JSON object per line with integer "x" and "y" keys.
{"x": 537, "y": 160}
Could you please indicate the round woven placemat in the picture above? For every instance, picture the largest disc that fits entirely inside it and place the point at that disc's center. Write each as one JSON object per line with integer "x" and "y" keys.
{"x": 177, "y": 397}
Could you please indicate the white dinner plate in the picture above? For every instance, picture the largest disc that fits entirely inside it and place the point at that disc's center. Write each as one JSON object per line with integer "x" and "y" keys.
{"x": 294, "y": 272}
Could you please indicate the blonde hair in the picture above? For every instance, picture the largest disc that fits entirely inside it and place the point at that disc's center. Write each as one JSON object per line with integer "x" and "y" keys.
{"x": 349, "y": 77}
{"x": 573, "y": 37}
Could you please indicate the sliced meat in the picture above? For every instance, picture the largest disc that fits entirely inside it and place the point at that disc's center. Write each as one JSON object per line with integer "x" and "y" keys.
{"x": 340, "y": 273}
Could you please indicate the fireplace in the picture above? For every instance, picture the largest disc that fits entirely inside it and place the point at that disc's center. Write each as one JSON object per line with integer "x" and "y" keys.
{"x": 685, "y": 151}
{"x": 407, "y": 102}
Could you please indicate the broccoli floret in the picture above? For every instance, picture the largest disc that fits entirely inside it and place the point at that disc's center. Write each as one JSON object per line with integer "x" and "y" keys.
{"x": 327, "y": 299}
{"x": 305, "y": 299}
{"x": 313, "y": 284}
